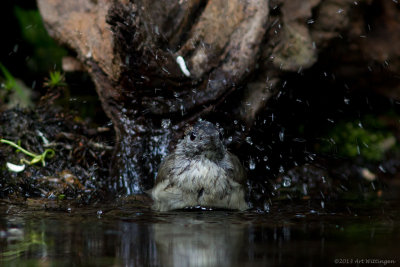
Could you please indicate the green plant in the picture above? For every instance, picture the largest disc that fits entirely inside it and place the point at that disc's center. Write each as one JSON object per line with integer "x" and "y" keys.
{"x": 13, "y": 87}
{"x": 56, "y": 79}
{"x": 49, "y": 153}
{"x": 370, "y": 139}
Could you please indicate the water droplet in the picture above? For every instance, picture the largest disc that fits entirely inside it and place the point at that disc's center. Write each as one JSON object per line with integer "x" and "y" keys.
{"x": 300, "y": 69}
{"x": 281, "y": 135}
{"x": 165, "y": 123}
{"x": 382, "y": 169}
{"x": 346, "y": 101}
{"x": 252, "y": 164}
{"x": 281, "y": 169}
{"x": 385, "y": 63}
{"x": 249, "y": 141}
{"x": 305, "y": 189}
{"x": 286, "y": 181}
{"x": 277, "y": 186}
{"x": 310, "y": 21}
{"x": 323, "y": 204}
{"x": 265, "y": 158}
{"x": 266, "y": 207}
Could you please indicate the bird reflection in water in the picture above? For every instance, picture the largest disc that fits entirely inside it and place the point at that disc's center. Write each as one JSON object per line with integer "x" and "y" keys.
{"x": 187, "y": 239}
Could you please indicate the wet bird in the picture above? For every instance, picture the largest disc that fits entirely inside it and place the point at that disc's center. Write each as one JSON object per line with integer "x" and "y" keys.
{"x": 200, "y": 172}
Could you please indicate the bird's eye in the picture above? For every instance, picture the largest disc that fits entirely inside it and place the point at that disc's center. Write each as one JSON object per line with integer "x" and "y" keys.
{"x": 192, "y": 136}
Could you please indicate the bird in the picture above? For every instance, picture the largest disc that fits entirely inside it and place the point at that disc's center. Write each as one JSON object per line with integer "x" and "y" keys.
{"x": 200, "y": 172}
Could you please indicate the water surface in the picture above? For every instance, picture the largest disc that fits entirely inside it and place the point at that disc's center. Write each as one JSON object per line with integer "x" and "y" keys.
{"x": 297, "y": 232}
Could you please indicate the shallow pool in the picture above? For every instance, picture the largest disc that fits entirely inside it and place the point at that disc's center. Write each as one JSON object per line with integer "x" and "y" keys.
{"x": 297, "y": 232}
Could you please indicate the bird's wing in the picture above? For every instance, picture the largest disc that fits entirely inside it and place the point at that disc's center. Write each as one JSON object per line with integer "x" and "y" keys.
{"x": 165, "y": 169}
{"x": 238, "y": 172}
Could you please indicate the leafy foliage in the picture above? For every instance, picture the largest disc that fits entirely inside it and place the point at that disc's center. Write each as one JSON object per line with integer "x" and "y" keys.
{"x": 370, "y": 139}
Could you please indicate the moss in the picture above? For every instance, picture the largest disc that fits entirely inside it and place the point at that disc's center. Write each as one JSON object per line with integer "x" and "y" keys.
{"x": 368, "y": 138}
{"x": 56, "y": 79}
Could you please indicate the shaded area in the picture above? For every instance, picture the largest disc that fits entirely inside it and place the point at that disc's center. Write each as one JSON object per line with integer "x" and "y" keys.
{"x": 29, "y": 55}
{"x": 76, "y": 171}
{"x": 27, "y": 50}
